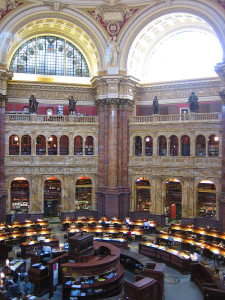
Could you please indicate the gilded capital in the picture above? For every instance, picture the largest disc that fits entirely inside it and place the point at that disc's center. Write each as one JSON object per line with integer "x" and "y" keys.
{"x": 5, "y": 75}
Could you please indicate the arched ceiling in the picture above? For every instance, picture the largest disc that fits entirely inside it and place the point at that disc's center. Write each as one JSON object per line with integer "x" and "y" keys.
{"x": 155, "y": 31}
{"x": 59, "y": 27}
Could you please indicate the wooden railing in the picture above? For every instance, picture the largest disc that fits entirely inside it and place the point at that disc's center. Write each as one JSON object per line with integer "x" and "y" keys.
{"x": 43, "y": 118}
{"x": 176, "y": 118}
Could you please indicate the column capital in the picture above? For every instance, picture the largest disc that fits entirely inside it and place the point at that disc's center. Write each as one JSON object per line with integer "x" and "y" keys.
{"x": 5, "y": 75}
{"x": 220, "y": 70}
{"x": 3, "y": 100}
{"x": 114, "y": 87}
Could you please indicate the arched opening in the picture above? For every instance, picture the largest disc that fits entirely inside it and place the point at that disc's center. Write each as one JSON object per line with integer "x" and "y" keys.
{"x": 213, "y": 145}
{"x": 83, "y": 192}
{"x": 148, "y": 146}
{"x": 200, "y": 145}
{"x": 49, "y": 111}
{"x": 173, "y": 145}
{"x": 20, "y": 196}
{"x": 206, "y": 199}
{"x": 78, "y": 145}
{"x": 143, "y": 194}
{"x": 40, "y": 145}
{"x": 162, "y": 146}
{"x": 26, "y": 145}
{"x": 185, "y": 145}
{"x": 138, "y": 146}
{"x": 52, "y": 197}
{"x": 64, "y": 145}
{"x": 89, "y": 145}
{"x": 14, "y": 145}
{"x": 173, "y": 201}
{"x": 52, "y": 145}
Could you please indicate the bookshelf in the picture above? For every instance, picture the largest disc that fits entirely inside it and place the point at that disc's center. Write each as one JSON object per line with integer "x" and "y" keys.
{"x": 20, "y": 196}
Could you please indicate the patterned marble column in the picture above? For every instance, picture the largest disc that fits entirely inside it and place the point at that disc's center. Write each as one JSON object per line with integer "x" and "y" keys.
{"x": 220, "y": 69}
{"x": 3, "y": 194}
{"x": 114, "y": 100}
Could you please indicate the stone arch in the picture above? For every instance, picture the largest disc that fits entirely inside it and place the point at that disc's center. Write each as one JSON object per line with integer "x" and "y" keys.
{"x": 84, "y": 33}
{"x": 209, "y": 12}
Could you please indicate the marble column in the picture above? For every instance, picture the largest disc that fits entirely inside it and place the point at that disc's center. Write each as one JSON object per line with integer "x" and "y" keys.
{"x": 114, "y": 105}
{"x": 3, "y": 194}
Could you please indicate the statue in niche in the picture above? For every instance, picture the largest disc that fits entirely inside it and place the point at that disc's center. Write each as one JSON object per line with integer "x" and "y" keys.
{"x": 155, "y": 106}
{"x": 72, "y": 105}
{"x": 112, "y": 52}
{"x": 193, "y": 102}
{"x": 33, "y": 104}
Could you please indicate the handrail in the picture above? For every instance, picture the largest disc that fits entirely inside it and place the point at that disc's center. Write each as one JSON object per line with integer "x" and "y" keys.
{"x": 44, "y": 118}
{"x": 176, "y": 118}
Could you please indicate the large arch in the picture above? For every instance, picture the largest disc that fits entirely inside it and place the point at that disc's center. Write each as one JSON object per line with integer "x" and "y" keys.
{"x": 32, "y": 20}
{"x": 207, "y": 16}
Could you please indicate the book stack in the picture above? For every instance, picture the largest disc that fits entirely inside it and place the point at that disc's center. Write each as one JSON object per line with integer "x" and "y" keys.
{"x": 60, "y": 110}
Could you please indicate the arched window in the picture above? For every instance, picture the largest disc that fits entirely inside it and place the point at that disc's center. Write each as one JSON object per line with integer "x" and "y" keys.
{"x": 20, "y": 195}
{"x": 143, "y": 194}
{"x": 40, "y": 145}
{"x": 174, "y": 145}
{"x": 138, "y": 145}
{"x": 148, "y": 146}
{"x": 213, "y": 145}
{"x": 49, "y": 55}
{"x": 78, "y": 145}
{"x": 89, "y": 145}
{"x": 26, "y": 110}
{"x": 200, "y": 145}
{"x": 26, "y": 145}
{"x": 64, "y": 145}
{"x": 83, "y": 193}
{"x": 206, "y": 195}
{"x": 162, "y": 146}
{"x": 49, "y": 111}
{"x": 52, "y": 145}
{"x": 14, "y": 145}
{"x": 185, "y": 145}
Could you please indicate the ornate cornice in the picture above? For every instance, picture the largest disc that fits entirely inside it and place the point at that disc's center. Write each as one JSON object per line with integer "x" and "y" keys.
{"x": 118, "y": 104}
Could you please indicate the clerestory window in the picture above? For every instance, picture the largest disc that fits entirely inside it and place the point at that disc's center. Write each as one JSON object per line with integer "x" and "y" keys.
{"x": 49, "y": 55}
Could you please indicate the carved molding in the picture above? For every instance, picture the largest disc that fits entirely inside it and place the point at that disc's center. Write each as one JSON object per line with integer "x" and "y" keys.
{"x": 112, "y": 16}
{"x": 55, "y": 5}
{"x": 107, "y": 104}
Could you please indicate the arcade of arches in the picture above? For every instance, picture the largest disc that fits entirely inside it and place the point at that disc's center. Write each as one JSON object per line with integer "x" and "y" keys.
{"x": 112, "y": 154}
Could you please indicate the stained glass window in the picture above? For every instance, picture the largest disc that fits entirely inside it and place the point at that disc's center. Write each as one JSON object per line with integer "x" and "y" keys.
{"x": 49, "y": 55}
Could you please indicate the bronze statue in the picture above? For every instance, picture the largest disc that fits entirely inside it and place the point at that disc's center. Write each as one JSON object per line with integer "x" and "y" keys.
{"x": 193, "y": 102}
{"x": 155, "y": 106}
{"x": 33, "y": 104}
{"x": 72, "y": 105}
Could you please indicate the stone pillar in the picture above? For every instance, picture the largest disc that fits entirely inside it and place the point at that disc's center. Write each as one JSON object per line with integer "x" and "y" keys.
{"x": 3, "y": 194}
{"x": 4, "y": 76}
{"x": 220, "y": 69}
{"x": 114, "y": 103}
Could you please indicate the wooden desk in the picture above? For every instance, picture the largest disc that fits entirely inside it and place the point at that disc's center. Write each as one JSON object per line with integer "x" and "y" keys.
{"x": 28, "y": 248}
{"x": 174, "y": 258}
{"x": 40, "y": 279}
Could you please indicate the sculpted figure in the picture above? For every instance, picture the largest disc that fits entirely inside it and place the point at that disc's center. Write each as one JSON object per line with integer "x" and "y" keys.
{"x": 155, "y": 105}
{"x": 112, "y": 52}
{"x": 193, "y": 102}
{"x": 33, "y": 104}
{"x": 72, "y": 105}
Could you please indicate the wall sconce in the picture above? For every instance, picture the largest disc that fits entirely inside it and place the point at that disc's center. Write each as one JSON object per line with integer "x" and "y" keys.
{"x": 216, "y": 138}
{"x": 50, "y": 139}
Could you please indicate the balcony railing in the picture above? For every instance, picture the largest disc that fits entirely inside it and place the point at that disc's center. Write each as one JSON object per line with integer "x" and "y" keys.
{"x": 177, "y": 118}
{"x": 43, "y": 118}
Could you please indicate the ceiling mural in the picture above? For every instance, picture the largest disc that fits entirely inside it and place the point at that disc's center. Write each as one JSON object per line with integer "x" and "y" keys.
{"x": 7, "y": 5}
